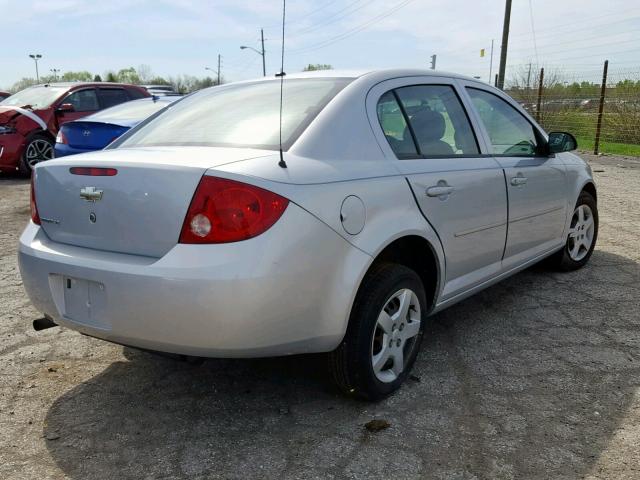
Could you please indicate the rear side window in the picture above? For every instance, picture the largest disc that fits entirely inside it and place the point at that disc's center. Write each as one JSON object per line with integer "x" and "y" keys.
{"x": 509, "y": 131}
{"x": 112, "y": 96}
{"x": 83, "y": 100}
{"x": 394, "y": 126}
{"x": 433, "y": 121}
{"x": 134, "y": 93}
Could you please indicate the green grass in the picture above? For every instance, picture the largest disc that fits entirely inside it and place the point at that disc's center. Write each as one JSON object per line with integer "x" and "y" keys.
{"x": 613, "y": 148}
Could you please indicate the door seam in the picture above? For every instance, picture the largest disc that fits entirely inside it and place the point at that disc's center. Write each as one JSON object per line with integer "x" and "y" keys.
{"x": 506, "y": 236}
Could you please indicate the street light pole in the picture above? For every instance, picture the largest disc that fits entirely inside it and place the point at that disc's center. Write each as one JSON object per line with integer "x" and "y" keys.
{"x": 36, "y": 57}
{"x": 259, "y": 52}
{"x": 55, "y": 72}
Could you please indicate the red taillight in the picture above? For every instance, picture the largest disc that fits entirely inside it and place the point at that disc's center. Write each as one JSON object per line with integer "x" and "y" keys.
{"x": 35, "y": 218}
{"x": 223, "y": 211}
{"x": 93, "y": 171}
{"x": 62, "y": 138}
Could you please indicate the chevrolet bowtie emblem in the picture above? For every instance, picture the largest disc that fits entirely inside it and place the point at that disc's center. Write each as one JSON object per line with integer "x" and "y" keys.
{"x": 90, "y": 194}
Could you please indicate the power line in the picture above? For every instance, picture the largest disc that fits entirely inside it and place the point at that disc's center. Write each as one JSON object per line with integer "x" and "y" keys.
{"x": 336, "y": 17}
{"x": 353, "y": 31}
{"x": 554, "y": 28}
{"x": 306, "y": 15}
{"x": 473, "y": 44}
{"x": 579, "y": 40}
{"x": 590, "y": 47}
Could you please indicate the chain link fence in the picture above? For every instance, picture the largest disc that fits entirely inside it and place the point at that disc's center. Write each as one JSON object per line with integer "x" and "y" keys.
{"x": 603, "y": 115}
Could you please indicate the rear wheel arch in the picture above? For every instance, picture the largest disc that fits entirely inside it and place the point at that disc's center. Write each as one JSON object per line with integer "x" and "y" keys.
{"x": 417, "y": 253}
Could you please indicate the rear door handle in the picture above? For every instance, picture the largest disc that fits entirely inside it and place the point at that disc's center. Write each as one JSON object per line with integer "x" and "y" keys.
{"x": 517, "y": 181}
{"x": 439, "y": 190}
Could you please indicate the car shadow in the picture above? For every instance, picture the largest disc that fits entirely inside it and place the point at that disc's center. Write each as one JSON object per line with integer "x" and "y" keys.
{"x": 530, "y": 378}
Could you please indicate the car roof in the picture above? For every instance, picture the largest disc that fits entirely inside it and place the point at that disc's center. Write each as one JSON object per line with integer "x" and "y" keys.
{"x": 383, "y": 73}
{"x": 71, "y": 85}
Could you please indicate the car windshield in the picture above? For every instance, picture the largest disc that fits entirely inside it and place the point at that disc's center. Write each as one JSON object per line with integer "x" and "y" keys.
{"x": 131, "y": 111}
{"x": 38, "y": 97}
{"x": 242, "y": 115}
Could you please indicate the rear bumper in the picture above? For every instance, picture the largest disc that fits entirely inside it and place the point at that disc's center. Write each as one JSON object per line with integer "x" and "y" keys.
{"x": 62, "y": 150}
{"x": 286, "y": 291}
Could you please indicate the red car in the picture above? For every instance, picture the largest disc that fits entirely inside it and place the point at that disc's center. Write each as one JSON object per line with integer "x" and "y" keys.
{"x": 4, "y": 95}
{"x": 30, "y": 119}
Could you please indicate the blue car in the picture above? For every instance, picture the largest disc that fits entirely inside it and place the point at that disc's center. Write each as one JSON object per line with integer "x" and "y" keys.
{"x": 100, "y": 129}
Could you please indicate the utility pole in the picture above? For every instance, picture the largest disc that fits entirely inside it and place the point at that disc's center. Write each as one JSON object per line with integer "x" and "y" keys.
{"x": 505, "y": 44}
{"x": 36, "y": 57}
{"x": 433, "y": 61}
{"x": 491, "y": 62}
{"x": 264, "y": 64}
{"x": 259, "y": 52}
{"x": 55, "y": 72}
{"x": 529, "y": 77}
{"x": 218, "y": 69}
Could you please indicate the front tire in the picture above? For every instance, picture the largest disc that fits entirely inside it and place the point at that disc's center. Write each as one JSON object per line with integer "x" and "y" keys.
{"x": 384, "y": 334}
{"x": 39, "y": 148}
{"x": 583, "y": 233}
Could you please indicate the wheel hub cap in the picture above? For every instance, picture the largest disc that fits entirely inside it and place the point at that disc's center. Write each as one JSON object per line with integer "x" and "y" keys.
{"x": 581, "y": 233}
{"x": 395, "y": 335}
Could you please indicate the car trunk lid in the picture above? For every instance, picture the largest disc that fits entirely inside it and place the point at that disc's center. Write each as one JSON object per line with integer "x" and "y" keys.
{"x": 92, "y": 135}
{"x": 139, "y": 210}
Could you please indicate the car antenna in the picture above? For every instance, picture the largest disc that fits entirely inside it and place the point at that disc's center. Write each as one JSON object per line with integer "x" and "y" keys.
{"x": 282, "y": 163}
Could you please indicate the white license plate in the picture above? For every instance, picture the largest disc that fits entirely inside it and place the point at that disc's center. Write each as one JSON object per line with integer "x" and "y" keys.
{"x": 84, "y": 301}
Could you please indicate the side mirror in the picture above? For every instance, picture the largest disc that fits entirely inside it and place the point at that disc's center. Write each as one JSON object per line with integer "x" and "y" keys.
{"x": 66, "y": 108}
{"x": 562, "y": 142}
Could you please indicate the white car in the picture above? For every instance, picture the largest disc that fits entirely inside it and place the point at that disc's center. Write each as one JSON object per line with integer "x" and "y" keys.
{"x": 398, "y": 194}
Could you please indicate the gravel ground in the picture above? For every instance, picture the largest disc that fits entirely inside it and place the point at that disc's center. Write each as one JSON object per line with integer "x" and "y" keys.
{"x": 536, "y": 377}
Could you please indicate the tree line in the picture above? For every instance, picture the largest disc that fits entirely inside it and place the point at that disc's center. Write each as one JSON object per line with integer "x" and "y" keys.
{"x": 142, "y": 75}
{"x": 136, "y": 76}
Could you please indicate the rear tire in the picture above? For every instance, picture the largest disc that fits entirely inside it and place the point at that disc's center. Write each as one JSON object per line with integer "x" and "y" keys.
{"x": 39, "y": 148}
{"x": 384, "y": 333}
{"x": 581, "y": 240}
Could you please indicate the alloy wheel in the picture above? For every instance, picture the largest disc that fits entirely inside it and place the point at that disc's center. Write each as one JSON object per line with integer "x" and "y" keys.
{"x": 581, "y": 233}
{"x": 37, "y": 151}
{"x": 395, "y": 335}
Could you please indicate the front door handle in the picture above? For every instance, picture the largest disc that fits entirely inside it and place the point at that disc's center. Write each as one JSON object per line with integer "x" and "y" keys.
{"x": 439, "y": 190}
{"x": 517, "y": 181}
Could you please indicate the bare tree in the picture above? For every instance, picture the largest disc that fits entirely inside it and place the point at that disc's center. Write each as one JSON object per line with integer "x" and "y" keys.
{"x": 145, "y": 73}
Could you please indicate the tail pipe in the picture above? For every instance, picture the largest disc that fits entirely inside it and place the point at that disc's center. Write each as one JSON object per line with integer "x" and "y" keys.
{"x": 43, "y": 323}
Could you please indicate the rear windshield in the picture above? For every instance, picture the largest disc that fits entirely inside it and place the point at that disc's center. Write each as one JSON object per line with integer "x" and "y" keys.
{"x": 136, "y": 110}
{"x": 242, "y": 115}
{"x": 34, "y": 97}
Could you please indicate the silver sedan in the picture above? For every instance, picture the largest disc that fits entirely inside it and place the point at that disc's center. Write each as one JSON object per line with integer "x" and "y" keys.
{"x": 397, "y": 194}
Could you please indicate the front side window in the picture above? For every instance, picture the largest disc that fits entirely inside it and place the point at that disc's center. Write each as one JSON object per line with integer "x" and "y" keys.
{"x": 509, "y": 131}
{"x": 241, "y": 115}
{"x": 426, "y": 121}
{"x": 83, "y": 100}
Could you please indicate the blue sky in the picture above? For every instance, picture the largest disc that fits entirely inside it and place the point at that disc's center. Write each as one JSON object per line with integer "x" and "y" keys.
{"x": 178, "y": 37}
